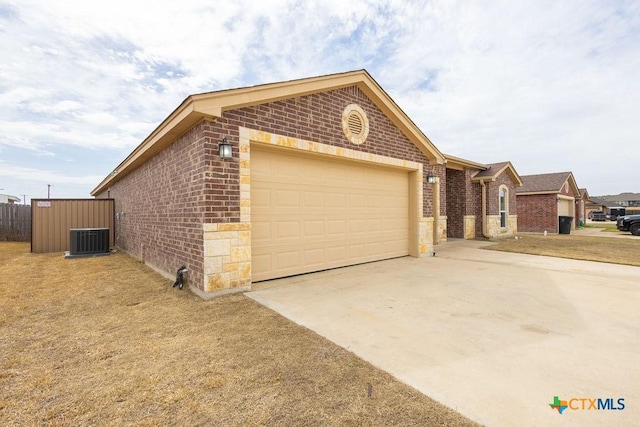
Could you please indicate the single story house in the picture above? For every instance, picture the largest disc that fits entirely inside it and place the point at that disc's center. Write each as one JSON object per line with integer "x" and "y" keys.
{"x": 261, "y": 182}
{"x": 543, "y": 198}
{"x": 595, "y": 204}
{"x": 622, "y": 199}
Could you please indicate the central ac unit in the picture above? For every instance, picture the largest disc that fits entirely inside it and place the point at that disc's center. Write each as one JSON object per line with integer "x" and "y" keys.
{"x": 88, "y": 242}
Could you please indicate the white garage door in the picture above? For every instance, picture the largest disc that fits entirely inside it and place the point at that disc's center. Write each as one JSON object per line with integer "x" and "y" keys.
{"x": 565, "y": 207}
{"x": 310, "y": 213}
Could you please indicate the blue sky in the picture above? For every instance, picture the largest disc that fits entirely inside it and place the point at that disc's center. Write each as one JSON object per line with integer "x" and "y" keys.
{"x": 551, "y": 86}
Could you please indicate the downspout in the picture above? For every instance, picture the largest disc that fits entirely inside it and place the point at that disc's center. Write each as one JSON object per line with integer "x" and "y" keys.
{"x": 484, "y": 209}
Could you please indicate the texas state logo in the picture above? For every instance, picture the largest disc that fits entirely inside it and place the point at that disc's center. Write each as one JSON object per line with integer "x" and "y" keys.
{"x": 587, "y": 404}
{"x": 558, "y": 405}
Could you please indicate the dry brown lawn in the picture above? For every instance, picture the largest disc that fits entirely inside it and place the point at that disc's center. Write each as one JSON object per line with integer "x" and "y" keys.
{"x": 107, "y": 341}
{"x": 603, "y": 249}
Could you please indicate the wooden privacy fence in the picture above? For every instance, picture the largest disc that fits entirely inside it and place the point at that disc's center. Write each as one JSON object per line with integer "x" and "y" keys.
{"x": 15, "y": 222}
{"x": 53, "y": 218}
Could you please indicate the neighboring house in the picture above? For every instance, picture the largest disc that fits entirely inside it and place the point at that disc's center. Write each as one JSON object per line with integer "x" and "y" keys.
{"x": 543, "y": 198}
{"x": 622, "y": 199}
{"x": 609, "y": 207}
{"x": 481, "y": 199}
{"x": 324, "y": 172}
{"x": 5, "y": 198}
{"x": 595, "y": 204}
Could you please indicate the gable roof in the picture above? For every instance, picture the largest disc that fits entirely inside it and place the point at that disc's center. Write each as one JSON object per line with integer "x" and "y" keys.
{"x": 598, "y": 201}
{"x": 622, "y": 197}
{"x": 547, "y": 183}
{"x": 211, "y": 105}
{"x": 495, "y": 169}
{"x": 488, "y": 172}
{"x": 584, "y": 194}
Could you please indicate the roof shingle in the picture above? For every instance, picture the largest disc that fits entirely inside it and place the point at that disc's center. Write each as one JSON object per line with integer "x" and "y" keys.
{"x": 547, "y": 182}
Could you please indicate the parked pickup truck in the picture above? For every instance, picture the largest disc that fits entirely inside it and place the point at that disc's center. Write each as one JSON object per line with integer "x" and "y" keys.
{"x": 629, "y": 223}
{"x": 597, "y": 216}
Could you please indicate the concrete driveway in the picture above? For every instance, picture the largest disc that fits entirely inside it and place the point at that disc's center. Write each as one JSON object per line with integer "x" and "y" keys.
{"x": 492, "y": 335}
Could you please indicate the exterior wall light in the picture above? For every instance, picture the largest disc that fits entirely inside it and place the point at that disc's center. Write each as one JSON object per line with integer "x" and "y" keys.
{"x": 431, "y": 178}
{"x": 225, "y": 149}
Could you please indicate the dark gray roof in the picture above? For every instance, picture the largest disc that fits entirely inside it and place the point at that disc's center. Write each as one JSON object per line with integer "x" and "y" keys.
{"x": 598, "y": 201}
{"x": 546, "y": 182}
{"x": 622, "y": 197}
{"x": 492, "y": 170}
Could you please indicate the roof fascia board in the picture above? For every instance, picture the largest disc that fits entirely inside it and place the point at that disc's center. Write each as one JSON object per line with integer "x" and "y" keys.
{"x": 401, "y": 120}
{"x": 574, "y": 185}
{"x": 178, "y": 122}
{"x": 213, "y": 104}
{"x": 454, "y": 162}
{"x": 216, "y": 103}
{"x": 476, "y": 178}
{"x": 533, "y": 193}
{"x": 514, "y": 175}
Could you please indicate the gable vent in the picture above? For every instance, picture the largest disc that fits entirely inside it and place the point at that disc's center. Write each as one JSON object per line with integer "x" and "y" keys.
{"x": 355, "y": 124}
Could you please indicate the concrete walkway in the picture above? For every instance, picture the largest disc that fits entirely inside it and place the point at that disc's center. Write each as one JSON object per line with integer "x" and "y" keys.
{"x": 492, "y": 335}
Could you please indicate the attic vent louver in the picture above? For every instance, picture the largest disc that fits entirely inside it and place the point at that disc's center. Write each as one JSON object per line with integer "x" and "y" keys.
{"x": 355, "y": 124}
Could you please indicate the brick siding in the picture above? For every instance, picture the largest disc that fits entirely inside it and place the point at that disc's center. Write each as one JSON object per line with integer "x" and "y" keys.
{"x": 317, "y": 118}
{"x": 162, "y": 205}
{"x": 537, "y": 213}
{"x": 461, "y": 200}
{"x": 456, "y": 201}
{"x": 493, "y": 195}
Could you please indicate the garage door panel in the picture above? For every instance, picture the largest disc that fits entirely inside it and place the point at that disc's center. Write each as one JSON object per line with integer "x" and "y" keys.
{"x": 311, "y": 213}
{"x": 284, "y": 167}
{"x": 312, "y": 199}
{"x": 287, "y": 230}
{"x": 261, "y": 197}
{"x": 261, "y": 230}
{"x": 336, "y": 253}
{"x": 314, "y": 257}
{"x": 261, "y": 261}
{"x": 287, "y": 260}
{"x": 313, "y": 228}
{"x": 336, "y": 228}
{"x": 335, "y": 199}
{"x": 564, "y": 207}
{"x": 357, "y": 200}
{"x": 357, "y": 226}
{"x": 288, "y": 198}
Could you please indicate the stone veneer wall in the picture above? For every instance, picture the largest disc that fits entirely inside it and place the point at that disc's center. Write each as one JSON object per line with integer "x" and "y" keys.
{"x": 469, "y": 226}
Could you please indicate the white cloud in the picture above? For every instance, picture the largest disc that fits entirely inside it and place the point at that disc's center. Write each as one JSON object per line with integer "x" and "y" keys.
{"x": 543, "y": 84}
